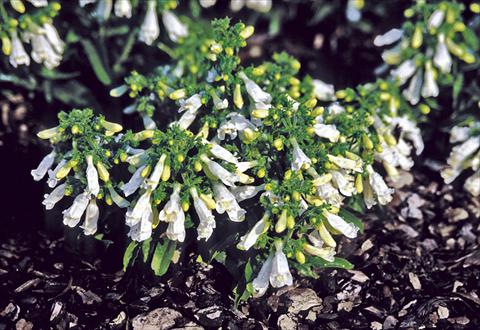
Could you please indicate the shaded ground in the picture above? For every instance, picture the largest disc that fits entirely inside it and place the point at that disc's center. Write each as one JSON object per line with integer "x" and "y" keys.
{"x": 416, "y": 265}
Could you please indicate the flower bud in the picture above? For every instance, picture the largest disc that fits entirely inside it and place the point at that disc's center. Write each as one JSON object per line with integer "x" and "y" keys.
{"x": 166, "y": 172}
{"x": 417, "y": 38}
{"x": 237, "y": 96}
{"x": 425, "y": 109}
{"x": 281, "y": 224}
{"x": 359, "y": 183}
{"x": 325, "y": 235}
{"x": 209, "y": 201}
{"x": 48, "y": 133}
{"x": 185, "y": 206}
{"x": 6, "y": 45}
{"x": 143, "y": 135}
{"x": 300, "y": 257}
{"x": 247, "y": 32}
{"x": 367, "y": 143}
{"x": 178, "y": 94}
{"x": 18, "y": 6}
{"x": 290, "y": 222}
{"x": 146, "y": 171}
{"x": 102, "y": 172}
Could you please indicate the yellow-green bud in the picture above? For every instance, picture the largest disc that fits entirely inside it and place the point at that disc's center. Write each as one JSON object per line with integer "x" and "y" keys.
{"x": 261, "y": 173}
{"x": 185, "y": 206}
{"x": 290, "y": 222}
{"x": 146, "y": 171}
{"x": 359, "y": 183}
{"x": 475, "y": 8}
{"x": 178, "y": 94}
{"x": 367, "y": 143}
{"x": 197, "y": 166}
{"x": 143, "y": 135}
{"x": 417, "y": 38}
{"x": 247, "y": 32}
{"x": 281, "y": 224}
{"x": 166, "y": 173}
{"x": 209, "y": 201}
{"x": 425, "y": 109}
{"x": 6, "y": 45}
{"x": 102, "y": 172}
{"x": 18, "y": 6}
{"x": 300, "y": 257}
{"x": 325, "y": 235}
{"x": 216, "y": 48}
{"x": 237, "y": 96}
{"x": 109, "y": 126}
{"x": 63, "y": 171}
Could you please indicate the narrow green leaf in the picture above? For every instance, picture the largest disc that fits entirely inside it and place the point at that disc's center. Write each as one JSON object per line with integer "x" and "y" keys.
{"x": 146, "y": 249}
{"x": 336, "y": 263}
{"x": 127, "y": 256}
{"x": 163, "y": 257}
{"x": 96, "y": 62}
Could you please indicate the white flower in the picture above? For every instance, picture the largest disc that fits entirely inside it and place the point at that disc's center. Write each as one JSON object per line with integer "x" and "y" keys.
{"x": 331, "y": 195}
{"x": 254, "y": 91}
{"x": 412, "y": 93}
{"x": 459, "y": 134}
{"x": 154, "y": 178}
{"x": 54, "y": 197}
{"x": 103, "y": 10}
{"x": 172, "y": 209}
{"x": 175, "y": 29}
{"x": 436, "y": 19}
{"x": 92, "y": 177}
{"x": 246, "y": 192}
{"x": 39, "y": 3}
{"x": 150, "y": 30}
{"x": 43, "y": 52}
{"x": 262, "y": 6}
{"x": 335, "y": 109}
{"x": 250, "y": 238}
{"x": 134, "y": 216}
{"x": 134, "y": 183}
{"x": 388, "y": 38}
{"x": 83, "y": 3}
{"x": 221, "y": 153}
{"x": 327, "y": 131}
{"x": 43, "y": 167}
{"x": 347, "y": 229}
{"x": 123, "y": 8}
{"x": 300, "y": 160}
{"x": 390, "y": 56}
{"x": 458, "y": 156}
{"x": 442, "y": 58}
{"x": 430, "y": 87}
{"x": 235, "y": 5}
{"x": 235, "y": 123}
{"x": 91, "y": 218}
{"x": 368, "y": 194}
{"x": 379, "y": 187}
{"x": 280, "y": 275}
{"x": 142, "y": 230}
{"x": 207, "y": 3}
{"x": 244, "y": 166}
{"x": 226, "y": 202}
{"x": 176, "y": 229}
{"x": 193, "y": 103}
{"x": 207, "y": 220}
{"x": 148, "y": 122}
{"x": 345, "y": 163}
{"x": 52, "y": 180}
{"x": 404, "y": 71}
{"x": 72, "y": 215}
{"x": 219, "y": 172}
{"x": 472, "y": 184}
{"x": 352, "y": 12}
{"x": 344, "y": 182}
{"x": 261, "y": 282}
{"x": 53, "y": 38}
{"x": 323, "y": 91}
{"x": 18, "y": 56}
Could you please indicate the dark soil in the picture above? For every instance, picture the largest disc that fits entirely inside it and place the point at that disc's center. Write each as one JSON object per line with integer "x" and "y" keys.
{"x": 416, "y": 266}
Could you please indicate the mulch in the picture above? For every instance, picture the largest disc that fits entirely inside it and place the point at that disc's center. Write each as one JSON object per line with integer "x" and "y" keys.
{"x": 416, "y": 266}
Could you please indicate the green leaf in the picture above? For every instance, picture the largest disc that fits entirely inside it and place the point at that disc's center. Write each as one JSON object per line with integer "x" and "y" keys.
{"x": 96, "y": 62}
{"x": 457, "y": 87}
{"x": 163, "y": 257}
{"x": 336, "y": 263}
{"x": 127, "y": 256}
{"x": 471, "y": 38}
{"x": 146, "y": 248}
{"x": 352, "y": 218}
{"x": 248, "y": 271}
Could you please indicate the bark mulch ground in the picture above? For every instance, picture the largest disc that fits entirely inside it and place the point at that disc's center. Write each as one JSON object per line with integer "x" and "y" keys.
{"x": 416, "y": 266}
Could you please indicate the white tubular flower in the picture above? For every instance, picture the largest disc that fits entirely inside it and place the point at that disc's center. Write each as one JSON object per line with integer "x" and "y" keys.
{"x": 391, "y": 56}
{"x": 83, "y": 3}
{"x": 242, "y": 193}
{"x": 388, "y": 38}
{"x": 250, "y": 238}
{"x": 148, "y": 122}
{"x": 207, "y": 220}
{"x": 411, "y": 132}
{"x": 103, "y": 10}
{"x": 154, "y": 178}
{"x": 412, "y": 93}
{"x": 244, "y": 166}
{"x": 53, "y": 38}
{"x": 329, "y": 132}
{"x": 430, "y": 87}
{"x": 18, "y": 55}
{"x": 133, "y": 216}
{"x": 54, "y": 197}
{"x": 442, "y": 58}
{"x": 323, "y": 91}
{"x": 235, "y": 5}
{"x": 186, "y": 119}
{"x": 254, "y": 91}
{"x": 344, "y": 182}
{"x": 193, "y": 103}
{"x": 318, "y": 249}
{"x": 92, "y": 177}
{"x": 347, "y": 164}
{"x": 134, "y": 183}
{"x": 353, "y": 12}
{"x": 39, "y": 3}
{"x": 330, "y": 194}
{"x": 404, "y": 71}
{"x": 262, "y": 6}
{"x": 176, "y": 229}
{"x": 459, "y": 134}
{"x": 300, "y": 160}
{"x": 207, "y": 3}
{"x": 91, "y": 218}
{"x": 347, "y": 229}
{"x": 335, "y": 109}
{"x": 235, "y": 123}
{"x": 43, "y": 167}
{"x": 43, "y": 52}
{"x": 472, "y": 184}
{"x": 280, "y": 275}
{"x": 123, "y": 8}
{"x": 458, "y": 156}
{"x": 72, "y": 215}
{"x": 143, "y": 229}
{"x": 150, "y": 30}
{"x": 436, "y": 19}
{"x": 52, "y": 180}
{"x": 226, "y": 202}
{"x": 261, "y": 282}
{"x": 175, "y": 29}
{"x": 219, "y": 172}
{"x": 368, "y": 194}
{"x": 379, "y": 187}
{"x": 221, "y": 153}
{"x": 172, "y": 209}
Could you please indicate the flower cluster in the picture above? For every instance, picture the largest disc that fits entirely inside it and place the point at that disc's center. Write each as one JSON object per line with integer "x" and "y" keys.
{"x": 423, "y": 50}
{"x": 31, "y": 23}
